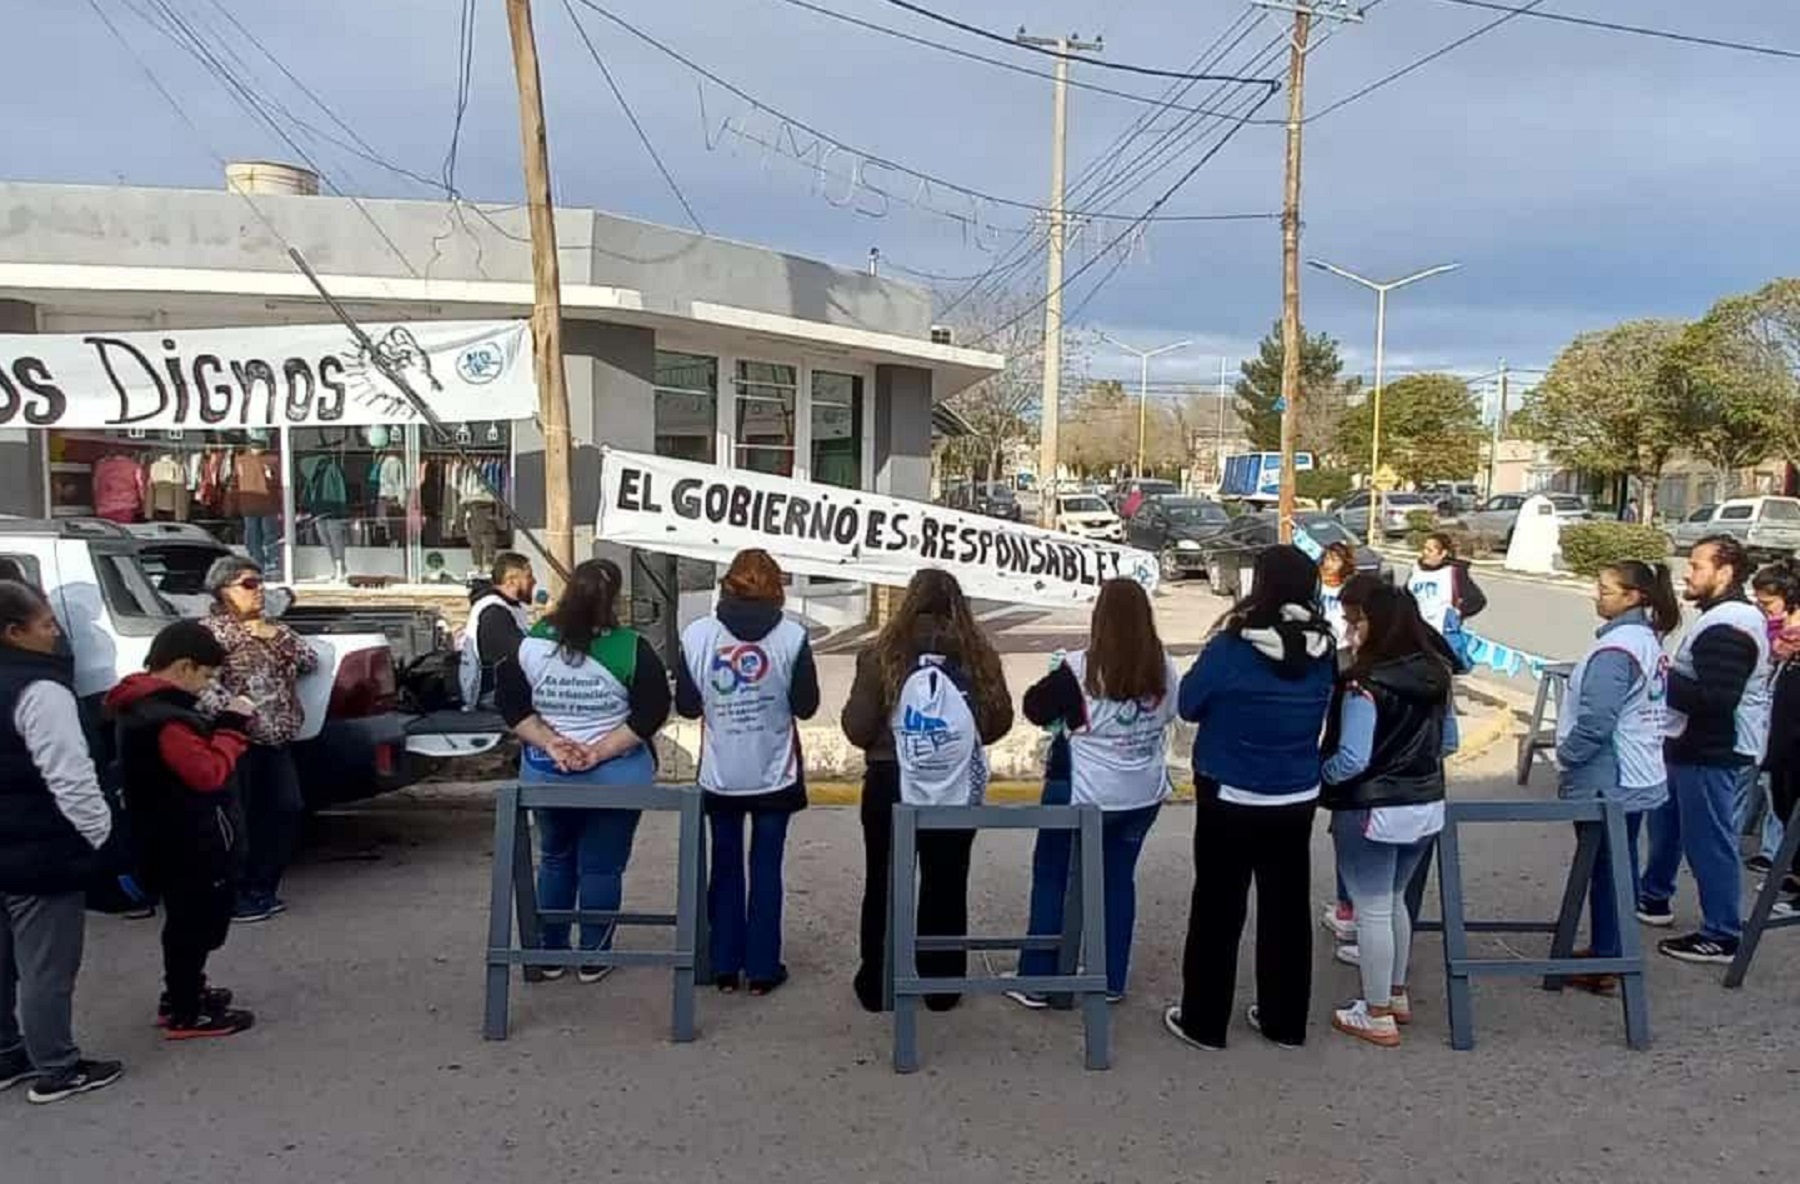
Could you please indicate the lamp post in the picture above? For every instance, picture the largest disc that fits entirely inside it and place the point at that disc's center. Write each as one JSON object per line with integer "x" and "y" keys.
{"x": 1143, "y": 357}
{"x": 1381, "y": 291}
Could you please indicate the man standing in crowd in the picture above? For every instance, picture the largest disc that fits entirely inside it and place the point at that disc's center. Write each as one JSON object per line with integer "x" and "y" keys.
{"x": 498, "y": 619}
{"x": 1718, "y": 724}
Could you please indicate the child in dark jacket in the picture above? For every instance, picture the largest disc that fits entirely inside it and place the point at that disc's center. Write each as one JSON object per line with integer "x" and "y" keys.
{"x": 179, "y": 770}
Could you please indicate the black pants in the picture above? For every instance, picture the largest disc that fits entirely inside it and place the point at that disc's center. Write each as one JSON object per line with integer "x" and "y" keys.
{"x": 196, "y": 918}
{"x": 943, "y": 891}
{"x": 1784, "y": 795}
{"x": 1233, "y": 845}
{"x": 273, "y": 810}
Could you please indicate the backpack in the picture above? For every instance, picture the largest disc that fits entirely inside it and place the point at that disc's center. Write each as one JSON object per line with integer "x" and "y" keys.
{"x": 942, "y": 761}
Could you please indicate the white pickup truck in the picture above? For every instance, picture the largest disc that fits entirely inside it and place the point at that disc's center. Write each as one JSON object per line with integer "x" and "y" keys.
{"x": 113, "y": 587}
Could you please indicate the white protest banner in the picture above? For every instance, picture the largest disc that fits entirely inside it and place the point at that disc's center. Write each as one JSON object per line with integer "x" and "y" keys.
{"x": 704, "y": 512}
{"x": 266, "y": 376}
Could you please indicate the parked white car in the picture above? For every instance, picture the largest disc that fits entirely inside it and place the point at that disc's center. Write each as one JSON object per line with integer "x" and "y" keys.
{"x": 1088, "y": 516}
{"x": 1769, "y": 527}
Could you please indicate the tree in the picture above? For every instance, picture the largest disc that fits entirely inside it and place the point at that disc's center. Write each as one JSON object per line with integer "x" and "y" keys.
{"x": 1100, "y": 429}
{"x": 1609, "y": 405}
{"x": 1736, "y": 373}
{"x": 1430, "y": 428}
{"x": 1002, "y": 411}
{"x": 1324, "y": 395}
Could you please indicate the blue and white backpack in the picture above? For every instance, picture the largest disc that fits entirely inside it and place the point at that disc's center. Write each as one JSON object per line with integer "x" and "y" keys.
{"x": 942, "y": 761}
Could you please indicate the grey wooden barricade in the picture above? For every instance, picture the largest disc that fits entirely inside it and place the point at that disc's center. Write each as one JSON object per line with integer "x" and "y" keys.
{"x": 1552, "y": 691}
{"x": 1599, "y": 822}
{"x": 1760, "y": 921}
{"x": 515, "y": 892}
{"x": 1081, "y": 947}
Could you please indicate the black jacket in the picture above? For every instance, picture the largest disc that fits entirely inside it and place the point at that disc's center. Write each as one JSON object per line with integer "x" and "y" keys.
{"x": 867, "y": 713}
{"x": 1406, "y": 762}
{"x": 1724, "y": 663}
{"x": 1784, "y": 719}
{"x": 41, "y": 852}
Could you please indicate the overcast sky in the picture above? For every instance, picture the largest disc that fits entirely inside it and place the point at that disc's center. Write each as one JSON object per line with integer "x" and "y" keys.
{"x": 1581, "y": 177}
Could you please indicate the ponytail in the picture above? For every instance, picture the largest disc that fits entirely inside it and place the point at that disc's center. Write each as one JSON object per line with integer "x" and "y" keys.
{"x": 1652, "y": 582}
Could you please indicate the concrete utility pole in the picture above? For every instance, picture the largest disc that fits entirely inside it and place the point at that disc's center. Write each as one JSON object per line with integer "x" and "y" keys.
{"x": 1381, "y": 291}
{"x": 1304, "y": 12}
{"x": 1059, "y": 131}
{"x": 546, "y": 314}
{"x": 1143, "y": 357}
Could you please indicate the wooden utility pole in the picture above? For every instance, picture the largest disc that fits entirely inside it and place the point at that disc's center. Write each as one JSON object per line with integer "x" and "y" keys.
{"x": 1290, "y": 267}
{"x": 546, "y": 313}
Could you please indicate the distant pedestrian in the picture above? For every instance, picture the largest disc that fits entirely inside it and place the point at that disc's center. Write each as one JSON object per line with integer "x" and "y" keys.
{"x": 934, "y": 625}
{"x": 1777, "y": 589}
{"x": 748, "y": 672}
{"x": 1384, "y": 750}
{"x": 180, "y": 779}
{"x": 1337, "y": 567}
{"x": 1115, "y": 700}
{"x": 587, "y": 697}
{"x": 1609, "y": 739}
{"x": 499, "y": 615}
{"x": 1718, "y": 724}
{"x": 264, "y": 662}
{"x": 1441, "y": 583}
{"x": 54, "y": 823}
{"x": 1259, "y": 691}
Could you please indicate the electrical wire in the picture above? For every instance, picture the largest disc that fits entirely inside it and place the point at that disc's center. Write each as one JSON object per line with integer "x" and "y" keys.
{"x": 643, "y": 136}
{"x": 465, "y": 69}
{"x": 1014, "y": 67}
{"x": 1635, "y": 30}
{"x": 1126, "y": 67}
{"x": 1420, "y": 63}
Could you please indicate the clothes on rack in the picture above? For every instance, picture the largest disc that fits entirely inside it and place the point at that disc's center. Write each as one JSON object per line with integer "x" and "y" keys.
{"x": 168, "y": 494}
{"x": 255, "y": 484}
{"x": 120, "y": 483}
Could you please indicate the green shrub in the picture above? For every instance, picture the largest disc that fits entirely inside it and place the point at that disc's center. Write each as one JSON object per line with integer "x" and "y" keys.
{"x": 1419, "y": 523}
{"x": 1589, "y": 546}
{"x": 1322, "y": 485}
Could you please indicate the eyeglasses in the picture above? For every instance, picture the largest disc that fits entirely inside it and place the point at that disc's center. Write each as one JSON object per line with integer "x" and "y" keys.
{"x": 249, "y": 583}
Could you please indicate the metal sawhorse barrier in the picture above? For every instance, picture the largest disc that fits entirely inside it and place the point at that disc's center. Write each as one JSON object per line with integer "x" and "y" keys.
{"x": 515, "y": 891}
{"x": 1552, "y": 691}
{"x": 1760, "y": 921}
{"x": 1598, "y": 822}
{"x": 1081, "y": 947}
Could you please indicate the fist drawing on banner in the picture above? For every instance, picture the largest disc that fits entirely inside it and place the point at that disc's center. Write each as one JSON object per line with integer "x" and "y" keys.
{"x": 398, "y": 351}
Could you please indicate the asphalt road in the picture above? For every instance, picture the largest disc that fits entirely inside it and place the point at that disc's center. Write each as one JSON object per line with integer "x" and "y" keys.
{"x": 367, "y": 1063}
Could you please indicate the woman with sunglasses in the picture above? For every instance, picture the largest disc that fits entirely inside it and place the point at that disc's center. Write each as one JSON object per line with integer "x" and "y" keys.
{"x": 264, "y": 661}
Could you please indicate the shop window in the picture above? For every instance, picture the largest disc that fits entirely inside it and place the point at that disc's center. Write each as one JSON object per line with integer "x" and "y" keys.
{"x": 350, "y": 495}
{"x": 837, "y": 429}
{"x": 687, "y": 406}
{"x": 460, "y": 527}
{"x": 766, "y": 398}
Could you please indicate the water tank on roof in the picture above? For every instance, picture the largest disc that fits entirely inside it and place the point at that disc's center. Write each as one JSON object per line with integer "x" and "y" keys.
{"x": 267, "y": 176}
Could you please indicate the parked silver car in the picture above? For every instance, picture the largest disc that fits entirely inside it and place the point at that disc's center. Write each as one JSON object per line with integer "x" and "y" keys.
{"x": 1496, "y": 516}
{"x": 1353, "y": 511}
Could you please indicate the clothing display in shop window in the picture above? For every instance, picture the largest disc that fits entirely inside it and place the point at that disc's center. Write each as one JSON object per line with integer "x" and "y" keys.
{"x": 483, "y": 529}
{"x": 120, "y": 484}
{"x": 255, "y": 484}
{"x": 168, "y": 494}
{"x": 324, "y": 494}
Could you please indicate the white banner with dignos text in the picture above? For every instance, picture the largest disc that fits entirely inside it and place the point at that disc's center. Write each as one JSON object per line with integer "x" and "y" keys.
{"x": 704, "y": 512}
{"x": 265, "y": 376}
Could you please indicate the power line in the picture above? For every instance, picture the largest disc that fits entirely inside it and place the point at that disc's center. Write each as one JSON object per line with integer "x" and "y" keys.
{"x": 465, "y": 69}
{"x": 643, "y": 136}
{"x": 1421, "y": 63}
{"x": 1126, "y": 67}
{"x": 998, "y": 63}
{"x": 1635, "y": 30}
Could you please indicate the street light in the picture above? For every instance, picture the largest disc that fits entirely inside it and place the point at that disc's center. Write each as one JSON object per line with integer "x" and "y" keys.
{"x": 1381, "y": 291}
{"x": 1143, "y": 357}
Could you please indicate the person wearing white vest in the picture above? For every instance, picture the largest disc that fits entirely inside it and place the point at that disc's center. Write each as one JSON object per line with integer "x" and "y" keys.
{"x": 747, "y": 672}
{"x": 1115, "y": 701}
{"x": 499, "y": 615}
{"x": 933, "y": 618}
{"x": 1609, "y": 736}
{"x": 1717, "y": 725}
{"x": 1440, "y": 581}
{"x": 585, "y": 697}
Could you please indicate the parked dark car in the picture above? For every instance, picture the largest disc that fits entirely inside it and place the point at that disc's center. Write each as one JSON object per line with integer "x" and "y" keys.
{"x": 1230, "y": 556}
{"x": 992, "y": 498}
{"x": 1152, "y": 489}
{"x": 1175, "y": 529}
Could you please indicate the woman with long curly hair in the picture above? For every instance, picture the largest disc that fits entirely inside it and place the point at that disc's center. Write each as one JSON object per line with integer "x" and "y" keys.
{"x": 934, "y": 621}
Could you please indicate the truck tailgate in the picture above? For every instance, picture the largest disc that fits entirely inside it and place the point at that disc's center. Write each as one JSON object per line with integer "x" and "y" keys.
{"x": 454, "y": 733}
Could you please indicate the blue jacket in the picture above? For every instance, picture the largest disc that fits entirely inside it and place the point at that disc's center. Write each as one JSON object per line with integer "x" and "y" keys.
{"x": 1588, "y": 765}
{"x": 1259, "y": 717}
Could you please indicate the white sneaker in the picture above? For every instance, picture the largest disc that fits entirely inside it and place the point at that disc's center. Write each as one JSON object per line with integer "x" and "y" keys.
{"x": 1029, "y": 999}
{"x": 1339, "y": 927}
{"x": 1356, "y": 1021}
{"x": 1349, "y": 955}
{"x": 1400, "y": 1004}
{"x": 593, "y": 974}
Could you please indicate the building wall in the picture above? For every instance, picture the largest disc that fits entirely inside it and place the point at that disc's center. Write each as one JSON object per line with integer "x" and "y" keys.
{"x": 21, "y": 457}
{"x": 903, "y": 431}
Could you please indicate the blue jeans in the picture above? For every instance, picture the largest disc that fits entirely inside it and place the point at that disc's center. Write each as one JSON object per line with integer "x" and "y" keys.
{"x": 1122, "y": 835}
{"x": 1377, "y": 875}
{"x": 262, "y": 539}
{"x": 1696, "y": 822}
{"x": 1603, "y": 932}
{"x": 746, "y": 926}
{"x": 1752, "y": 798}
{"x": 584, "y": 852}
